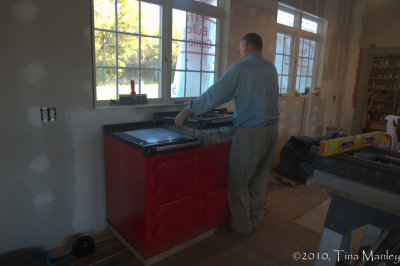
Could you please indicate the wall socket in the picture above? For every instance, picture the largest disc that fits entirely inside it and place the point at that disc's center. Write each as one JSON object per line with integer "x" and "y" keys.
{"x": 48, "y": 114}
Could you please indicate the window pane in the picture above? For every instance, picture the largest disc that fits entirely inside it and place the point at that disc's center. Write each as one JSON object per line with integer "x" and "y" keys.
{"x": 310, "y": 71}
{"x": 150, "y": 52}
{"x": 209, "y": 30}
{"x": 304, "y": 47}
{"x": 304, "y": 66}
{"x": 104, "y": 14}
{"x": 279, "y": 43}
{"x": 192, "y": 84}
{"x": 309, "y": 25}
{"x": 178, "y": 24}
{"x": 207, "y": 80}
{"x": 298, "y": 68}
{"x": 150, "y": 19}
{"x": 128, "y": 16}
{"x": 302, "y": 84}
{"x": 194, "y": 29}
{"x": 287, "y": 62}
{"x": 128, "y": 50}
{"x": 193, "y": 56}
{"x": 210, "y": 2}
{"x": 287, "y": 49}
{"x": 284, "y": 86}
{"x": 177, "y": 84}
{"x": 178, "y": 55}
{"x": 105, "y": 48}
{"x": 278, "y": 63}
{"x": 208, "y": 58}
{"x": 285, "y": 18}
{"x": 124, "y": 80}
{"x": 308, "y": 83}
{"x": 106, "y": 87}
{"x": 313, "y": 48}
{"x": 150, "y": 83}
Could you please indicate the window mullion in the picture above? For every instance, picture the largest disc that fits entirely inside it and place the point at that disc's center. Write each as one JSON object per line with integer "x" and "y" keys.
{"x": 296, "y": 47}
{"x": 283, "y": 58}
{"x": 140, "y": 47}
{"x": 116, "y": 51}
{"x": 167, "y": 48}
{"x": 201, "y": 53}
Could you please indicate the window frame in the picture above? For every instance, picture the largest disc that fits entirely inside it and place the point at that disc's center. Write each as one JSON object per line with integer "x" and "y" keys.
{"x": 166, "y": 7}
{"x": 297, "y": 33}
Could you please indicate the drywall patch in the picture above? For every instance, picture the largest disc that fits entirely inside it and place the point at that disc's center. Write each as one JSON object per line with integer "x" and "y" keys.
{"x": 39, "y": 164}
{"x": 34, "y": 72}
{"x": 25, "y": 11}
{"x": 43, "y": 198}
{"x": 253, "y": 11}
{"x": 262, "y": 20}
{"x": 34, "y": 116}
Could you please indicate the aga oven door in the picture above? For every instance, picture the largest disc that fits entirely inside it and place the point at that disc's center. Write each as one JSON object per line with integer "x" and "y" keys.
{"x": 174, "y": 175}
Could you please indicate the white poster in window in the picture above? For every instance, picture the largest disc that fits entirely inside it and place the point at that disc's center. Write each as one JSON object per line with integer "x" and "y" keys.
{"x": 200, "y": 56}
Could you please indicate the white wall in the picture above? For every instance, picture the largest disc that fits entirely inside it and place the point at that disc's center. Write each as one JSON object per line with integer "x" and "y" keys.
{"x": 52, "y": 175}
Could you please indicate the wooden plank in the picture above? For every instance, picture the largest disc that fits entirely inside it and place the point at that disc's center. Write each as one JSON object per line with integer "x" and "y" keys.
{"x": 273, "y": 243}
{"x": 67, "y": 248}
{"x": 169, "y": 252}
{"x": 101, "y": 255}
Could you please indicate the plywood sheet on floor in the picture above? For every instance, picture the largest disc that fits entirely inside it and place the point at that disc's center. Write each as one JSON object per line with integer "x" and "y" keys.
{"x": 292, "y": 202}
{"x": 272, "y": 244}
{"x": 314, "y": 219}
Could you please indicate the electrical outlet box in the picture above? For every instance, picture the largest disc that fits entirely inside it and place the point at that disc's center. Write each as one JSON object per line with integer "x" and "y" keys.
{"x": 48, "y": 114}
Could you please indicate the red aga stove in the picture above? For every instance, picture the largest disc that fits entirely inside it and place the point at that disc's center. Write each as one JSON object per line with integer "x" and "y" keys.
{"x": 163, "y": 187}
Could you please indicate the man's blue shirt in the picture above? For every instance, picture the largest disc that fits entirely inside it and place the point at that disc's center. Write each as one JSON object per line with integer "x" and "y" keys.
{"x": 253, "y": 84}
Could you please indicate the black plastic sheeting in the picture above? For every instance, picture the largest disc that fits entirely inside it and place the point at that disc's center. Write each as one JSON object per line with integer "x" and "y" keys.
{"x": 296, "y": 158}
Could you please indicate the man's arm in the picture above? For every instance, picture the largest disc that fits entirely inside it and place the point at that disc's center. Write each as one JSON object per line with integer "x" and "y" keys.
{"x": 221, "y": 92}
{"x": 182, "y": 116}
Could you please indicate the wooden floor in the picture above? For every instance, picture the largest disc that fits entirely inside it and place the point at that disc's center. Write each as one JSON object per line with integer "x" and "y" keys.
{"x": 275, "y": 241}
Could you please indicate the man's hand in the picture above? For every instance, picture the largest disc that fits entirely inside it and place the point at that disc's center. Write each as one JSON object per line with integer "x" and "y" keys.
{"x": 182, "y": 116}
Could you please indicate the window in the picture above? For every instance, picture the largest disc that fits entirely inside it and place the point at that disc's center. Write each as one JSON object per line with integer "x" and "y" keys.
{"x": 193, "y": 53}
{"x": 298, "y": 38}
{"x": 133, "y": 41}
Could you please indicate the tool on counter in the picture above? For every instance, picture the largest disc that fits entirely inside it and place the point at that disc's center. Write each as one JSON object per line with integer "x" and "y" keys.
{"x": 133, "y": 93}
{"x": 132, "y": 98}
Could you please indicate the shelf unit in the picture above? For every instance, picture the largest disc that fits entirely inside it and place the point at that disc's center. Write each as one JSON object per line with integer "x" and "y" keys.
{"x": 383, "y": 90}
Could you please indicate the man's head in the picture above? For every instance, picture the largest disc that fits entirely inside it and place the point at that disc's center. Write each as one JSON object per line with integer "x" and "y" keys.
{"x": 250, "y": 43}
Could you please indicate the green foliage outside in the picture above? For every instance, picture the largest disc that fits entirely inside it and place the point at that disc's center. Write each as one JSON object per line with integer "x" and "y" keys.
{"x": 128, "y": 44}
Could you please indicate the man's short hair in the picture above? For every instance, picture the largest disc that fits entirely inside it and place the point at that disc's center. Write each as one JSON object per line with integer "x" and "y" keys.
{"x": 254, "y": 40}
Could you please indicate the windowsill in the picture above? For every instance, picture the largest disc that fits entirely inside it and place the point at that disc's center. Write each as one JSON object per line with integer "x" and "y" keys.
{"x": 299, "y": 96}
{"x": 141, "y": 106}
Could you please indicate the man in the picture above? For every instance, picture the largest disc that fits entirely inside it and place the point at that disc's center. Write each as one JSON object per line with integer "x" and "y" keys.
{"x": 253, "y": 84}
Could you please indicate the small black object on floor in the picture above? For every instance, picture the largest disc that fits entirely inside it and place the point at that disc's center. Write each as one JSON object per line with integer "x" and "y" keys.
{"x": 83, "y": 246}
